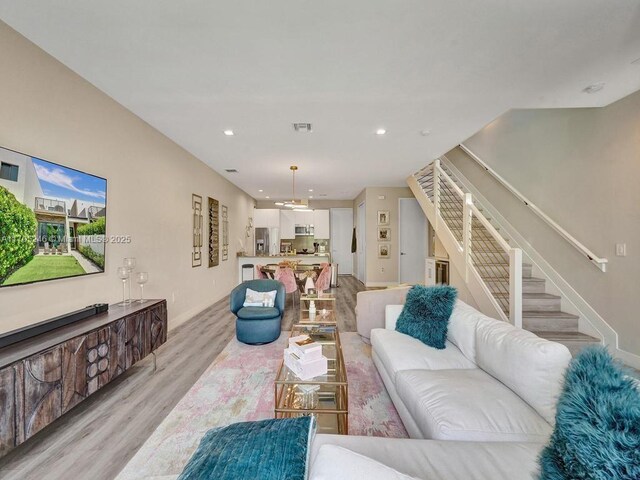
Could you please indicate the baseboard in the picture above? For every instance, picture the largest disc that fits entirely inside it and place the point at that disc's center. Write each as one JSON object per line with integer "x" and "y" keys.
{"x": 628, "y": 358}
{"x": 189, "y": 314}
{"x": 381, "y": 284}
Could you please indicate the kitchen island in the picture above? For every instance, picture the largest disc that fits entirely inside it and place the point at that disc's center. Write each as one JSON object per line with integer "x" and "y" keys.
{"x": 307, "y": 259}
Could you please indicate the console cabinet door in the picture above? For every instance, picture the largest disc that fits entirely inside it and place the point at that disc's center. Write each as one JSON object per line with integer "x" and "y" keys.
{"x": 118, "y": 348}
{"x": 156, "y": 328}
{"x": 7, "y": 409}
{"x": 74, "y": 372}
{"x": 42, "y": 390}
{"x": 98, "y": 346}
{"x": 135, "y": 338}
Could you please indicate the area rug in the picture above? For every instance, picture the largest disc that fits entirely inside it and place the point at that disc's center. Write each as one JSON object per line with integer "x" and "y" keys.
{"x": 238, "y": 386}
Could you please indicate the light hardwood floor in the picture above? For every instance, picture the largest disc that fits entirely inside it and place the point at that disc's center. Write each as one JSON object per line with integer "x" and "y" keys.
{"x": 96, "y": 439}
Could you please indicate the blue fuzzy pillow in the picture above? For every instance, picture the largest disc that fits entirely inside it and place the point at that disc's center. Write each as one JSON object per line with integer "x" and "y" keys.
{"x": 426, "y": 313}
{"x": 265, "y": 450}
{"x": 597, "y": 432}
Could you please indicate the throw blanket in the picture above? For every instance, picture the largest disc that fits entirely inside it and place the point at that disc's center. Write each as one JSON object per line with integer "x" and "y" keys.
{"x": 265, "y": 450}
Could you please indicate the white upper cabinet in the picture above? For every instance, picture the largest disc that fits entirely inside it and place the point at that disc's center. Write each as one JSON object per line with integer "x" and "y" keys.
{"x": 287, "y": 224}
{"x": 266, "y": 218}
{"x": 321, "y": 224}
{"x": 303, "y": 218}
{"x": 286, "y": 221}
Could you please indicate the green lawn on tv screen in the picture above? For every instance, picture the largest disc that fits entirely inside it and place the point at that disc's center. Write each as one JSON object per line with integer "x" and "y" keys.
{"x": 45, "y": 268}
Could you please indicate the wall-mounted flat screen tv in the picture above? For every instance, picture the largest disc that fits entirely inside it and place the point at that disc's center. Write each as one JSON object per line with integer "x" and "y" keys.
{"x": 52, "y": 220}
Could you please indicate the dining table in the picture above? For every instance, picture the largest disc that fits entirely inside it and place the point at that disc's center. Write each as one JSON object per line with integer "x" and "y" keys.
{"x": 301, "y": 271}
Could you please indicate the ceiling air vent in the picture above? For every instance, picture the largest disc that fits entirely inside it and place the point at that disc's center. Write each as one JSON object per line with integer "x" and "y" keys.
{"x": 231, "y": 170}
{"x": 302, "y": 127}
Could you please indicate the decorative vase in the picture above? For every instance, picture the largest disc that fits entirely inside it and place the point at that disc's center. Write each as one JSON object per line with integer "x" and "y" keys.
{"x": 308, "y": 284}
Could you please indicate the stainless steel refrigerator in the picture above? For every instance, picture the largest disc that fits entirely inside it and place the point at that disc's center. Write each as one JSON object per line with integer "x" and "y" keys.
{"x": 262, "y": 241}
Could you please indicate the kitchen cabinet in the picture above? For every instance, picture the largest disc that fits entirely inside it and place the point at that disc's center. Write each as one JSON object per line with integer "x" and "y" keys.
{"x": 321, "y": 224}
{"x": 266, "y": 218}
{"x": 287, "y": 224}
{"x": 303, "y": 218}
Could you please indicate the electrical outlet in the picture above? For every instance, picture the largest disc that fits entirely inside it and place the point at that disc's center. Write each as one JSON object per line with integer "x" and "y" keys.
{"x": 621, "y": 249}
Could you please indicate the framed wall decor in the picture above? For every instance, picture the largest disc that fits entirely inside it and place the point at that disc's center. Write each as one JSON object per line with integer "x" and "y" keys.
{"x": 384, "y": 234}
{"x": 214, "y": 233}
{"x": 224, "y": 213}
{"x": 383, "y": 217}
{"x": 384, "y": 250}
{"x": 196, "y": 254}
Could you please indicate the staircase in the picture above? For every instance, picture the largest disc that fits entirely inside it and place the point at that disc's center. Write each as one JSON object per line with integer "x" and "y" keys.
{"x": 490, "y": 261}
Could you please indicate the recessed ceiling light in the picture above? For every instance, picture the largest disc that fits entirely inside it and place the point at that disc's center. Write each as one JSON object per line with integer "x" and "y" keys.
{"x": 425, "y": 133}
{"x": 310, "y": 196}
{"x": 267, "y": 196}
{"x": 593, "y": 88}
{"x": 229, "y": 133}
{"x": 311, "y": 189}
{"x": 279, "y": 203}
{"x": 381, "y": 131}
{"x": 260, "y": 190}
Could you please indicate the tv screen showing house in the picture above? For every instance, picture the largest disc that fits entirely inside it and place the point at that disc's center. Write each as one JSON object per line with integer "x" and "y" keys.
{"x": 52, "y": 220}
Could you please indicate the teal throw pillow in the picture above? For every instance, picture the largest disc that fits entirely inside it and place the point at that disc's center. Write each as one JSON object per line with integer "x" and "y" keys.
{"x": 426, "y": 313}
{"x": 265, "y": 450}
{"x": 597, "y": 431}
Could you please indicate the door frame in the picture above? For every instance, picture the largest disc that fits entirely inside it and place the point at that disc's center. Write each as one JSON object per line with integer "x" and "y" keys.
{"x": 426, "y": 236}
{"x": 361, "y": 231}
{"x": 331, "y": 232}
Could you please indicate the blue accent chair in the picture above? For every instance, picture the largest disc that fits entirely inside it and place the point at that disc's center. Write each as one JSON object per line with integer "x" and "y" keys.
{"x": 257, "y": 325}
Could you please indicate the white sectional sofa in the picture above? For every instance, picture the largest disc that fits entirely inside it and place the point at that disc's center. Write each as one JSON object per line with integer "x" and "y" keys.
{"x": 435, "y": 459}
{"x": 481, "y": 409}
{"x": 492, "y": 382}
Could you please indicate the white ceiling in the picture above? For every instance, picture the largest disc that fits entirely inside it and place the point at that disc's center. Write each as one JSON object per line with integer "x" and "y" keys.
{"x": 192, "y": 69}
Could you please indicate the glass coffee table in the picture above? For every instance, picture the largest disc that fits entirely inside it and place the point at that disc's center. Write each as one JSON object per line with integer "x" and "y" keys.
{"x": 325, "y": 397}
{"x": 325, "y": 309}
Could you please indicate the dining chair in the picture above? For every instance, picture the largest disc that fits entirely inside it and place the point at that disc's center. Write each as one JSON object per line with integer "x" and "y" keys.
{"x": 287, "y": 277}
{"x": 324, "y": 279}
{"x": 259, "y": 273}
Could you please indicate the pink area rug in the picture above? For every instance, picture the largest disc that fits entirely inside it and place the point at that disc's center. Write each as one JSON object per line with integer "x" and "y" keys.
{"x": 238, "y": 386}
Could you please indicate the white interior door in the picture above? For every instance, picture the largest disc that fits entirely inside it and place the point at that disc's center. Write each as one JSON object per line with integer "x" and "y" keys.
{"x": 341, "y": 234}
{"x": 412, "y": 236}
{"x": 361, "y": 244}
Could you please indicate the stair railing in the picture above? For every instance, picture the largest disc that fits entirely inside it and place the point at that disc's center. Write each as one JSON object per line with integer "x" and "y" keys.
{"x": 487, "y": 258}
{"x": 599, "y": 262}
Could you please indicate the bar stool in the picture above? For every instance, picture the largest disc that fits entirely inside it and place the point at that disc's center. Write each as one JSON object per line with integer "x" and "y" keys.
{"x": 247, "y": 272}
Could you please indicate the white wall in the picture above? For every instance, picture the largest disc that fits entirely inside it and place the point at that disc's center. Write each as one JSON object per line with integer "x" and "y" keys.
{"x": 50, "y": 112}
{"x": 380, "y": 271}
{"x": 94, "y": 242}
{"x": 582, "y": 168}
